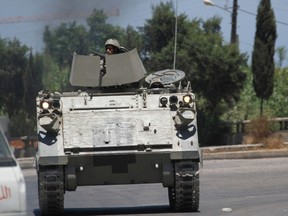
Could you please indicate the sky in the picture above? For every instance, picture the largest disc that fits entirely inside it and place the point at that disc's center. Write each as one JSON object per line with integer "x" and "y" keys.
{"x": 26, "y": 22}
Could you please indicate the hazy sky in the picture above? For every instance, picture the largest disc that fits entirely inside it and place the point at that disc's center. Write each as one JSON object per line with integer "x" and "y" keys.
{"x": 25, "y": 19}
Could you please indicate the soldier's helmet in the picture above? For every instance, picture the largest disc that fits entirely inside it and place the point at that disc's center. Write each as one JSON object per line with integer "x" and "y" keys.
{"x": 113, "y": 42}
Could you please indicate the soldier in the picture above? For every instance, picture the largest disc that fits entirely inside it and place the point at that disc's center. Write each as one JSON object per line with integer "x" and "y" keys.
{"x": 112, "y": 46}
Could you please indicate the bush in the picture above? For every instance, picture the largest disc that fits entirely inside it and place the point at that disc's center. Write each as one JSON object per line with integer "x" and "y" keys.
{"x": 274, "y": 141}
{"x": 260, "y": 130}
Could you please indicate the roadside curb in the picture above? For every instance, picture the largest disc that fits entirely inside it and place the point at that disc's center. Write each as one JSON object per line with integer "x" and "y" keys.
{"x": 247, "y": 151}
{"x": 252, "y": 154}
{"x": 211, "y": 153}
{"x": 26, "y": 163}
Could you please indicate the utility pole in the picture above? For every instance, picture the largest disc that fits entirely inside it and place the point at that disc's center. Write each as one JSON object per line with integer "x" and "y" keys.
{"x": 234, "y": 36}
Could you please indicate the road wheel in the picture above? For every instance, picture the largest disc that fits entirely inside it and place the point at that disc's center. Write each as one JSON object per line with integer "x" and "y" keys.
{"x": 51, "y": 190}
{"x": 184, "y": 195}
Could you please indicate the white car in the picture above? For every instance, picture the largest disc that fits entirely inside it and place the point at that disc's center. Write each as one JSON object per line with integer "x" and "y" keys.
{"x": 12, "y": 182}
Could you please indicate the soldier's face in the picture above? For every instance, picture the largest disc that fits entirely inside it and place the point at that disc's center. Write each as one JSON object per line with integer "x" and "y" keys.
{"x": 109, "y": 50}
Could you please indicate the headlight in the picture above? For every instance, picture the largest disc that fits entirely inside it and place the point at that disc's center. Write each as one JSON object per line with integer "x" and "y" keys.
{"x": 49, "y": 104}
{"x": 163, "y": 101}
{"x": 56, "y": 104}
{"x": 187, "y": 99}
{"x": 173, "y": 100}
{"x": 45, "y": 105}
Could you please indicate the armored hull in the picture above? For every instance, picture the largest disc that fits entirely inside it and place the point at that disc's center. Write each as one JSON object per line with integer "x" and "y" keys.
{"x": 119, "y": 135}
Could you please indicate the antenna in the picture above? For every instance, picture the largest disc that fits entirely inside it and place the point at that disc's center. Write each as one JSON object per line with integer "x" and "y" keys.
{"x": 175, "y": 42}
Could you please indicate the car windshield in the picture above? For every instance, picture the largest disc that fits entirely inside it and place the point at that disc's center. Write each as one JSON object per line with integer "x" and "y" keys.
{"x": 6, "y": 158}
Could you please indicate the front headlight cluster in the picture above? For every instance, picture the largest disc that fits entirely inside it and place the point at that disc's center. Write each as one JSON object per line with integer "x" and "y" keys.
{"x": 49, "y": 111}
{"x": 176, "y": 101}
{"x": 49, "y": 101}
{"x": 185, "y": 108}
{"x": 46, "y": 104}
{"x": 187, "y": 99}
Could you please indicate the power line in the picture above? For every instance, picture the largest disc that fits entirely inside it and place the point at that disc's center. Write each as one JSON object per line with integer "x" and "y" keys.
{"x": 253, "y": 14}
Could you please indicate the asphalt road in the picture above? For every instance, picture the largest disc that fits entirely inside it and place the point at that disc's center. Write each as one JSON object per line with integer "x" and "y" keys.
{"x": 227, "y": 187}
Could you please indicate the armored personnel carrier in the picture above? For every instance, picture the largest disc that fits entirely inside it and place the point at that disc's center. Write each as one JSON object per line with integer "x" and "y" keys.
{"x": 122, "y": 127}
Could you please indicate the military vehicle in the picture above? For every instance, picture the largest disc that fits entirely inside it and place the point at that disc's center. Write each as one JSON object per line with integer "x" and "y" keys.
{"x": 118, "y": 126}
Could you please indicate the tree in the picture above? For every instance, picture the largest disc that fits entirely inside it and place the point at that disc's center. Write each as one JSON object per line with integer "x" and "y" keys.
{"x": 20, "y": 80}
{"x": 13, "y": 63}
{"x": 263, "y": 52}
{"x": 32, "y": 83}
{"x": 158, "y": 36}
{"x": 63, "y": 41}
{"x": 201, "y": 54}
{"x": 132, "y": 39}
{"x": 281, "y": 52}
{"x": 55, "y": 78}
{"x": 159, "y": 30}
{"x": 100, "y": 31}
{"x": 60, "y": 44}
{"x": 216, "y": 70}
{"x": 278, "y": 103}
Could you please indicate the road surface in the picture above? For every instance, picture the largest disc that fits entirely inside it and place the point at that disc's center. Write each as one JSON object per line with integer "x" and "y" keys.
{"x": 227, "y": 187}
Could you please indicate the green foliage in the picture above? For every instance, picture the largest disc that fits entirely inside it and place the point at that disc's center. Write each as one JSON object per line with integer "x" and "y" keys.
{"x": 32, "y": 83}
{"x": 99, "y": 31}
{"x": 159, "y": 30}
{"x": 247, "y": 106}
{"x": 13, "y": 63}
{"x": 63, "y": 41}
{"x": 281, "y": 53}
{"x": 22, "y": 124}
{"x": 20, "y": 80}
{"x": 220, "y": 68}
{"x": 201, "y": 54}
{"x": 215, "y": 69}
{"x": 263, "y": 52}
{"x": 278, "y": 102}
{"x": 132, "y": 39}
{"x": 55, "y": 78}
{"x": 263, "y": 72}
{"x": 218, "y": 71}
